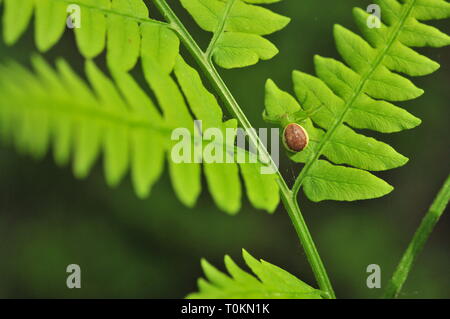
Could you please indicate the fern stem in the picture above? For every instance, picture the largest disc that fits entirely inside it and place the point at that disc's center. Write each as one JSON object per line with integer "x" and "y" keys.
{"x": 420, "y": 237}
{"x": 289, "y": 200}
{"x": 306, "y": 240}
{"x": 220, "y": 29}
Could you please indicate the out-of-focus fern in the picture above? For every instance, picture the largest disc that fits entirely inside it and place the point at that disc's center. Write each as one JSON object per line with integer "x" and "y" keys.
{"x": 117, "y": 24}
{"x": 119, "y": 117}
{"x": 123, "y": 122}
{"x": 357, "y": 94}
{"x": 271, "y": 282}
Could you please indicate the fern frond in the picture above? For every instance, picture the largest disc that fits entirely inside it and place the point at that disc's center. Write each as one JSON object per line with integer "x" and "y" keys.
{"x": 271, "y": 282}
{"x": 122, "y": 122}
{"x": 111, "y": 23}
{"x": 358, "y": 94}
{"x": 238, "y": 26}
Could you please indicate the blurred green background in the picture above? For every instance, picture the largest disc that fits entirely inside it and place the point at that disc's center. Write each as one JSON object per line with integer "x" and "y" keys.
{"x": 130, "y": 248}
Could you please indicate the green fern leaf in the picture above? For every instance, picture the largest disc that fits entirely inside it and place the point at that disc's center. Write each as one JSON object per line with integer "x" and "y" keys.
{"x": 121, "y": 122}
{"x": 271, "y": 282}
{"x": 135, "y": 143}
{"x": 238, "y": 27}
{"x": 358, "y": 94}
{"x": 123, "y": 30}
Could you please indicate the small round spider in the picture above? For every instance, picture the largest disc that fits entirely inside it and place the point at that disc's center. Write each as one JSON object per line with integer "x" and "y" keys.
{"x": 295, "y": 137}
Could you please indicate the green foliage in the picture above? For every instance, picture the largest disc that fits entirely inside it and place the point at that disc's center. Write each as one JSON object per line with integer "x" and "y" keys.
{"x": 104, "y": 23}
{"x": 118, "y": 118}
{"x": 357, "y": 94}
{"x": 111, "y": 23}
{"x": 238, "y": 26}
{"x": 115, "y": 116}
{"x": 121, "y": 121}
{"x": 271, "y": 282}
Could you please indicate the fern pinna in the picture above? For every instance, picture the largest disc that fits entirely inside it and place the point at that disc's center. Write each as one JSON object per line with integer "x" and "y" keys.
{"x": 128, "y": 127}
{"x": 115, "y": 115}
{"x": 357, "y": 94}
{"x": 272, "y": 282}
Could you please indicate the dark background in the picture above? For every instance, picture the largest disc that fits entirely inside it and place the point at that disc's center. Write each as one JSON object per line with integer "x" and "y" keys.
{"x": 131, "y": 248}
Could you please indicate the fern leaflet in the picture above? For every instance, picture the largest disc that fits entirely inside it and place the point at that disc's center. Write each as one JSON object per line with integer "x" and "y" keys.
{"x": 272, "y": 282}
{"x": 238, "y": 26}
{"x": 358, "y": 94}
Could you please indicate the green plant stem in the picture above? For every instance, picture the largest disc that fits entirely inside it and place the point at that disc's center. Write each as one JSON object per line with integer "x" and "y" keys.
{"x": 289, "y": 199}
{"x": 220, "y": 29}
{"x": 320, "y": 273}
{"x": 420, "y": 237}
